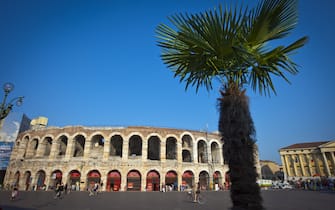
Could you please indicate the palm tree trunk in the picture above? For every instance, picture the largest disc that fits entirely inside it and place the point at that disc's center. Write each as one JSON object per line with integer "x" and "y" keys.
{"x": 238, "y": 134}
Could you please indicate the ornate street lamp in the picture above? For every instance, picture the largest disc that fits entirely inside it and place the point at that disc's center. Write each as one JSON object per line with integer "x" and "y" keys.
{"x": 5, "y": 108}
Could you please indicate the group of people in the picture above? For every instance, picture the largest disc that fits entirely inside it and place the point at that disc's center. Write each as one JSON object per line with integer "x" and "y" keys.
{"x": 95, "y": 188}
{"x": 59, "y": 189}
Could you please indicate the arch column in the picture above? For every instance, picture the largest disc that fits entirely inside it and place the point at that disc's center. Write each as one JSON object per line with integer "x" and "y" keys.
{"x": 53, "y": 151}
{"x": 288, "y": 167}
{"x": 69, "y": 148}
{"x": 195, "y": 152}
{"x": 302, "y": 167}
{"x": 87, "y": 148}
{"x": 144, "y": 150}
{"x": 325, "y": 162}
{"x": 106, "y": 149}
{"x": 179, "y": 152}
{"x": 125, "y": 148}
{"x": 163, "y": 151}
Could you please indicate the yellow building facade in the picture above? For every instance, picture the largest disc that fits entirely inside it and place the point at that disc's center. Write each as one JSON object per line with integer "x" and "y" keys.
{"x": 308, "y": 160}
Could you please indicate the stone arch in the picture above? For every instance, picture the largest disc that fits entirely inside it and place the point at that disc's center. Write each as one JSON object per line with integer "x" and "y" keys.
{"x": 171, "y": 180}
{"x": 25, "y": 144}
{"x": 187, "y": 148}
{"x": 27, "y": 180}
{"x": 187, "y": 157}
{"x": 74, "y": 180}
{"x": 116, "y": 145}
{"x": 93, "y": 177}
{"x": 32, "y": 148}
{"x": 215, "y": 151}
{"x": 135, "y": 146}
{"x": 45, "y": 146}
{"x": 97, "y": 146}
{"x": 154, "y": 148}
{"x": 62, "y": 142}
{"x": 134, "y": 180}
{"x": 188, "y": 179}
{"x": 204, "y": 180}
{"x": 217, "y": 180}
{"x": 17, "y": 179}
{"x": 153, "y": 181}
{"x": 56, "y": 177}
{"x": 202, "y": 151}
{"x": 171, "y": 148}
{"x": 113, "y": 181}
{"x": 79, "y": 145}
{"x": 40, "y": 180}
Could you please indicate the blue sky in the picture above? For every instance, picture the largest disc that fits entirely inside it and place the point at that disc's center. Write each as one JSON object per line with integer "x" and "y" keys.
{"x": 96, "y": 63}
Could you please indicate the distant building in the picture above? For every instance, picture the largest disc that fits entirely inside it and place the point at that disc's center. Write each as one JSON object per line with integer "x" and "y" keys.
{"x": 271, "y": 170}
{"x": 308, "y": 160}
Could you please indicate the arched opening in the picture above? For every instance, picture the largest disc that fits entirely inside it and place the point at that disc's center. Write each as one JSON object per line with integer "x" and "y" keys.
{"x": 135, "y": 146}
{"x": 217, "y": 180}
{"x": 25, "y": 145}
{"x": 74, "y": 180}
{"x": 97, "y": 146}
{"x": 17, "y": 179}
{"x": 134, "y": 181}
{"x": 204, "y": 180}
{"x": 40, "y": 185}
{"x": 171, "y": 181}
{"x": 154, "y": 148}
{"x": 27, "y": 178}
{"x": 187, "y": 148}
{"x": 32, "y": 148}
{"x": 79, "y": 145}
{"x": 62, "y": 141}
{"x": 113, "y": 181}
{"x": 171, "y": 148}
{"x": 46, "y": 146}
{"x": 186, "y": 156}
{"x": 153, "y": 180}
{"x": 56, "y": 176}
{"x": 116, "y": 146}
{"x": 215, "y": 151}
{"x": 187, "y": 180}
{"x": 92, "y": 178}
{"x": 202, "y": 152}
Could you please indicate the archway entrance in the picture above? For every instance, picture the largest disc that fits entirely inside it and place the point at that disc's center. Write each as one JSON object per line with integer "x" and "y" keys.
{"x": 217, "y": 180}
{"x": 113, "y": 181}
{"x": 171, "y": 181}
{"x": 57, "y": 177}
{"x": 74, "y": 180}
{"x": 204, "y": 180}
{"x": 134, "y": 181}
{"x": 40, "y": 180}
{"x": 187, "y": 180}
{"x": 153, "y": 181}
{"x": 27, "y": 179}
{"x": 92, "y": 178}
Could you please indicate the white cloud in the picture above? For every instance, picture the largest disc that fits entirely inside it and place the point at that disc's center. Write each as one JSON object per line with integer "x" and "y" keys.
{"x": 10, "y": 134}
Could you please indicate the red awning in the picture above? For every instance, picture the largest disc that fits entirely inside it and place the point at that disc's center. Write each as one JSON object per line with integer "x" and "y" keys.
{"x": 114, "y": 174}
{"x": 171, "y": 174}
{"x": 75, "y": 174}
{"x": 153, "y": 174}
{"x": 93, "y": 174}
{"x": 188, "y": 174}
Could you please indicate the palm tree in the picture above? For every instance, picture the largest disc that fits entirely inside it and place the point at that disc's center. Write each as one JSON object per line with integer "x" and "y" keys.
{"x": 231, "y": 45}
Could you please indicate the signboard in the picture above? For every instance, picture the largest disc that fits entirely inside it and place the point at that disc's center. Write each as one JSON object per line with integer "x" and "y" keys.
{"x": 5, "y": 152}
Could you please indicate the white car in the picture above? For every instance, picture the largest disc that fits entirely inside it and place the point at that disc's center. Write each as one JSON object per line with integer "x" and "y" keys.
{"x": 285, "y": 186}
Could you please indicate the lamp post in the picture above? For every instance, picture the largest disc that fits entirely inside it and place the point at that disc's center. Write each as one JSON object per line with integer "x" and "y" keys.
{"x": 5, "y": 108}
